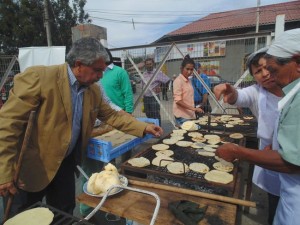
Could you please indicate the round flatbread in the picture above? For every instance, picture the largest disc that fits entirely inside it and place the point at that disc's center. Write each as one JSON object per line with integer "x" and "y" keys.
{"x": 184, "y": 143}
{"x": 177, "y": 138}
{"x": 162, "y": 161}
{"x": 208, "y": 154}
{"x": 195, "y": 134}
{"x": 199, "y": 167}
{"x": 219, "y": 177}
{"x": 229, "y": 125}
{"x": 179, "y": 131}
{"x": 160, "y": 147}
{"x": 211, "y": 136}
{"x": 213, "y": 124}
{"x": 213, "y": 146}
{"x": 177, "y": 168}
{"x": 164, "y": 153}
{"x": 199, "y": 139}
{"x": 189, "y": 126}
{"x": 176, "y": 135}
{"x": 248, "y": 117}
{"x": 139, "y": 162}
{"x": 223, "y": 166}
{"x": 35, "y": 216}
{"x": 236, "y": 136}
{"x": 198, "y": 145}
{"x": 209, "y": 149}
{"x": 213, "y": 141}
{"x": 170, "y": 141}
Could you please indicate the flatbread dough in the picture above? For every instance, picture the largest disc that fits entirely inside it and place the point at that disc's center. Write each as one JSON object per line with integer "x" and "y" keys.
{"x": 177, "y": 138}
{"x": 199, "y": 139}
{"x": 212, "y": 136}
{"x": 204, "y": 153}
{"x": 165, "y": 153}
{"x": 199, "y": 167}
{"x": 162, "y": 161}
{"x": 198, "y": 145}
{"x": 184, "y": 143}
{"x": 35, "y": 216}
{"x": 195, "y": 134}
{"x": 170, "y": 141}
{"x": 160, "y": 147}
{"x": 139, "y": 162}
{"x": 236, "y": 136}
{"x": 179, "y": 131}
{"x": 209, "y": 149}
{"x": 177, "y": 168}
{"x": 219, "y": 177}
{"x": 223, "y": 165}
{"x": 189, "y": 125}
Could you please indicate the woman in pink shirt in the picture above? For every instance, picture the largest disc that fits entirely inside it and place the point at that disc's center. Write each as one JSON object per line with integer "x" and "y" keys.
{"x": 183, "y": 106}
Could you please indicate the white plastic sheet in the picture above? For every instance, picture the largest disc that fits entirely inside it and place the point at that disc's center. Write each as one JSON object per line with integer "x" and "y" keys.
{"x": 32, "y": 56}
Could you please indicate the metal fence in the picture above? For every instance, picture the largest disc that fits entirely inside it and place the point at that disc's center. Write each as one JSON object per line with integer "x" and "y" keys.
{"x": 222, "y": 60}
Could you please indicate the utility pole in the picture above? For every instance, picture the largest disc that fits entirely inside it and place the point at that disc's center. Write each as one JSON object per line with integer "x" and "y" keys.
{"x": 257, "y": 25}
{"x": 47, "y": 24}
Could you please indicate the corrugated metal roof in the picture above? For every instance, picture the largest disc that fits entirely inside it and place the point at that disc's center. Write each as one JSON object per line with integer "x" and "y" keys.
{"x": 241, "y": 18}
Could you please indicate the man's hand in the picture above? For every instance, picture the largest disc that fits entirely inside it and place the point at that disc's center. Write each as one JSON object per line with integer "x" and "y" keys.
{"x": 228, "y": 152}
{"x": 154, "y": 130}
{"x": 7, "y": 188}
{"x": 229, "y": 93}
{"x": 199, "y": 110}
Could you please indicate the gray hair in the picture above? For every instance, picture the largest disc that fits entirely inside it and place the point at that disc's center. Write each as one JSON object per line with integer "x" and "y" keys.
{"x": 87, "y": 50}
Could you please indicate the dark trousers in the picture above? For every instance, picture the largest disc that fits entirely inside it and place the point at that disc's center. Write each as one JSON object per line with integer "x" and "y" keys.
{"x": 60, "y": 193}
{"x": 273, "y": 202}
{"x": 152, "y": 108}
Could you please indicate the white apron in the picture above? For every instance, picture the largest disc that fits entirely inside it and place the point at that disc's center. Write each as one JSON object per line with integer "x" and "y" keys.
{"x": 266, "y": 179}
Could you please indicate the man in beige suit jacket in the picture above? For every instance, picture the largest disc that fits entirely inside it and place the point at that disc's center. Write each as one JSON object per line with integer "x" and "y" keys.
{"x": 67, "y": 102}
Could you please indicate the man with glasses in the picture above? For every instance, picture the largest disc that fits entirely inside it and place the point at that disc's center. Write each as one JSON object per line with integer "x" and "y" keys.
{"x": 67, "y": 102}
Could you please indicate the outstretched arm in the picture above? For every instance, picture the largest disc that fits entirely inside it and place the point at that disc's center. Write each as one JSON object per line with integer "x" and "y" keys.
{"x": 229, "y": 93}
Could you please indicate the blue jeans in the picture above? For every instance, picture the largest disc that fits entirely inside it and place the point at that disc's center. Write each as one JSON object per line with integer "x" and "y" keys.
{"x": 181, "y": 120}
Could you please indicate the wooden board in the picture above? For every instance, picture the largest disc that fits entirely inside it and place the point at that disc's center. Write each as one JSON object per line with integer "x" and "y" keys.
{"x": 140, "y": 207}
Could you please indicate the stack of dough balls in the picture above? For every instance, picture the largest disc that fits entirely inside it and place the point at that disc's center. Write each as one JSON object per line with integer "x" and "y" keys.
{"x": 100, "y": 182}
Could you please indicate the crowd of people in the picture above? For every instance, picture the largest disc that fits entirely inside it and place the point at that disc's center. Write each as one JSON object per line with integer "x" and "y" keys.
{"x": 69, "y": 97}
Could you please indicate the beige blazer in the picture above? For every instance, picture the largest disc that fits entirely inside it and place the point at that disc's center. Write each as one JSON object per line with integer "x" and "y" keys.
{"x": 46, "y": 90}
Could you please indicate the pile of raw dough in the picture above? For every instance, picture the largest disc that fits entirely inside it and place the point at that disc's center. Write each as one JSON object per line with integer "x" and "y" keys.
{"x": 100, "y": 182}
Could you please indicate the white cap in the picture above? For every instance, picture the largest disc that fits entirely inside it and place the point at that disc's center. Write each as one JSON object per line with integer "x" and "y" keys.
{"x": 286, "y": 45}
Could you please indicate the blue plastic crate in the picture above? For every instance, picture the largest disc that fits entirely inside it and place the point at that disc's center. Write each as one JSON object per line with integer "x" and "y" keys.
{"x": 103, "y": 150}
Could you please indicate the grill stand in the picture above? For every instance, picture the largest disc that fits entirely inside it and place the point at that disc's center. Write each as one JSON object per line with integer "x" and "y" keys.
{"x": 97, "y": 208}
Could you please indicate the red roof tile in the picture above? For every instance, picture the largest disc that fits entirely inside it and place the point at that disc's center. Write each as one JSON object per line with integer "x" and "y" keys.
{"x": 241, "y": 18}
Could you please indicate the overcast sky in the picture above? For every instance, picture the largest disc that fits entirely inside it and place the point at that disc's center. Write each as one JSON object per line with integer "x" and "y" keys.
{"x": 154, "y": 18}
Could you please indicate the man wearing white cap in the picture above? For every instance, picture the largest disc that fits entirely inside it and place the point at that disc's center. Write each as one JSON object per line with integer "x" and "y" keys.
{"x": 262, "y": 99}
{"x": 283, "y": 63}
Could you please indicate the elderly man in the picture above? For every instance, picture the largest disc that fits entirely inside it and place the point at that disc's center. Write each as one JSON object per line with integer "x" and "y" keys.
{"x": 67, "y": 102}
{"x": 283, "y": 63}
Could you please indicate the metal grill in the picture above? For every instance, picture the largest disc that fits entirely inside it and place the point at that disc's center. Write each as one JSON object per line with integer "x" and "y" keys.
{"x": 60, "y": 217}
{"x": 190, "y": 179}
{"x": 248, "y": 130}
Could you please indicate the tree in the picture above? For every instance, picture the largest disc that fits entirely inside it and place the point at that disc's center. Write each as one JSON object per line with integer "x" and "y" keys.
{"x": 22, "y": 23}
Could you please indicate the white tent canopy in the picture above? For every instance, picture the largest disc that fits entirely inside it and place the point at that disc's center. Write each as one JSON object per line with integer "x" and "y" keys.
{"x": 32, "y": 56}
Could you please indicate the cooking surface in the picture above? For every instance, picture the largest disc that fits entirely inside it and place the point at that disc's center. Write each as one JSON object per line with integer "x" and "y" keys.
{"x": 60, "y": 217}
{"x": 191, "y": 179}
{"x": 248, "y": 128}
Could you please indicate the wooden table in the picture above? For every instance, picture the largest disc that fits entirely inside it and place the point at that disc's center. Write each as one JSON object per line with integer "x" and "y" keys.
{"x": 140, "y": 207}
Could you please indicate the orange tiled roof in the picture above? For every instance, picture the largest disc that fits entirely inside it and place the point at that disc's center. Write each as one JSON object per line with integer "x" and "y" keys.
{"x": 241, "y": 18}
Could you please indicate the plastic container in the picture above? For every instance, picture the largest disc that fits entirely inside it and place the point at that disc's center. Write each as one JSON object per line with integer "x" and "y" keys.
{"x": 103, "y": 151}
